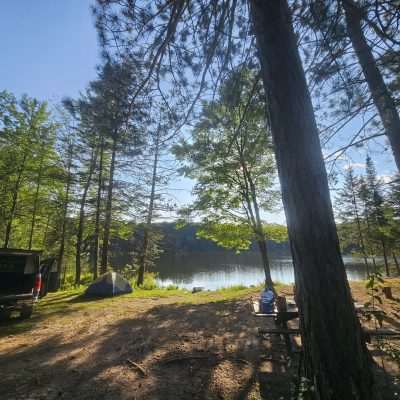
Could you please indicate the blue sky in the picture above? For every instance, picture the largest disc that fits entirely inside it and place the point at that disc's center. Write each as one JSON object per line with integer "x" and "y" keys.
{"x": 48, "y": 47}
{"x": 49, "y": 50}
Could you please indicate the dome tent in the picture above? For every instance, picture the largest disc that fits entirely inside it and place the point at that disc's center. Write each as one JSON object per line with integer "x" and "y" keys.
{"x": 109, "y": 284}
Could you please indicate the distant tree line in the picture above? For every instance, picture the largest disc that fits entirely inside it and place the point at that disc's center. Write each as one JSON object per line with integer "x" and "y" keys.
{"x": 188, "y": 239}
{"x": 368, "y": 212}
{"x": 87, "y": 171}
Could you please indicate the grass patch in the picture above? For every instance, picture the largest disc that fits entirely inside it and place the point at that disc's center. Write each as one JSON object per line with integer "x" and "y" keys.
{"x": 66, "y": 302}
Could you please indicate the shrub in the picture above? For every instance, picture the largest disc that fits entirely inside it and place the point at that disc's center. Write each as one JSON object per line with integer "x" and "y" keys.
{"x": 172, "y": 287}
{"x": 149, "y": 281}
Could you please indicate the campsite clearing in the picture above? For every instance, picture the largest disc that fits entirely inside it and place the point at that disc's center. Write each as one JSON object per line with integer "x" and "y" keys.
{"x": 159, "y": 344}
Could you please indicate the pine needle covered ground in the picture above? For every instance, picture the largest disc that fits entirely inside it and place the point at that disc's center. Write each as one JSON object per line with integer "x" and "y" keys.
{"x": 157, "y": 344}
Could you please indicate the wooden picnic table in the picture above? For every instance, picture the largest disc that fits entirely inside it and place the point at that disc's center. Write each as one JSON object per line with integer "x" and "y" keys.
{"x": 286, "y": 310}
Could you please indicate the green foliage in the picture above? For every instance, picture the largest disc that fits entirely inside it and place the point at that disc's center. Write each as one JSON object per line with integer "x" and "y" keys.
{"x": 234, "y": 288}
{"x": 239, "y": 237}
{"x": 230, "y": 236}
{"x": 374, "y": 285}
{"x": 276, "y": 232}
{"x": 153, "y": 250}
{"x": 172, "y": 287}
{"x": 367, "y": 214}
{"x": 231, "y": 159}
{"x": 31, "y": 178}
{"x": 69, "y": 281}
{"x": 122, "y": 229}
{"x": 150, "y": 281}
{"x": 129, "y": 272}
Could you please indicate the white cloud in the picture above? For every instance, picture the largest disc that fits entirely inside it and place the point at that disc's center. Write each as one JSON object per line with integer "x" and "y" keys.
{"x": 354, "y": 166}
{"x": 385, "y": 178}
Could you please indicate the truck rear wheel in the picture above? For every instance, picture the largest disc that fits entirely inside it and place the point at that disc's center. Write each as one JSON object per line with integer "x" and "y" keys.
{"x": 26, "y": 312}
{"x": 5, "y": 314}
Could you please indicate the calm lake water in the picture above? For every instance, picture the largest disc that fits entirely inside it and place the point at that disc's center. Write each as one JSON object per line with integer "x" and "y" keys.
{"x": 215, "y": 270}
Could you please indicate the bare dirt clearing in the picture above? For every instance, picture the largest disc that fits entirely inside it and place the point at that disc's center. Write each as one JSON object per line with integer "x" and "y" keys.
{"x": 202, "y": 346}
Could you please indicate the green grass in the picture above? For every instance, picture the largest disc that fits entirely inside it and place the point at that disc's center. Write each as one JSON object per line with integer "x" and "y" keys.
{"x": 64, "y": 303}
{"x": 74, "y": 297}
{"x": 61, "y": 297}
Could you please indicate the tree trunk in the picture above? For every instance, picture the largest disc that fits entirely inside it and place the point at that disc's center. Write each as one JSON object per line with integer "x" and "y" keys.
{"x": 385, "y": 257}
{"x": 381, "y": 96}
{"x": 361, "y": 239}
{"x": 35, "y": 202}
{"x": 97, "y": 218}
{"x": 14, "y": 202}
{"x": 143, "y": 258}
{"x": 60, "y": 259}
{"x": 46, "y": 229}
{"x": 336, "y": 359}
{"x": 396, "y": 262}
{"x": 360, "y": 235}
{"x": 374, "y": 264}
{"x": 254, "y": 218}
{"x": 81, "y": 224}
{"x": 262, "y": 240}
{"x": 262, "y": 245}
{"x": 108, "y": 214}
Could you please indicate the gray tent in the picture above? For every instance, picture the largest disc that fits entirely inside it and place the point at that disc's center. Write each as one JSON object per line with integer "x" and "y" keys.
{"x": 109, "y": 284}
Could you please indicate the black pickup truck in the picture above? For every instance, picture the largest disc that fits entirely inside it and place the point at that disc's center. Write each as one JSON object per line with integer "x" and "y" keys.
{"x": 23, "y": 279}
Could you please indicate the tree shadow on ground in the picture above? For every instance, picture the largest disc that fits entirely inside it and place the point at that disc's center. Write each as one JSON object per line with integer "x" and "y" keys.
{"x": 166, "y": 351}
{"x": 83, "y": 298}
{"x": 18, "y": 325}
{"x": 206, "y": 351}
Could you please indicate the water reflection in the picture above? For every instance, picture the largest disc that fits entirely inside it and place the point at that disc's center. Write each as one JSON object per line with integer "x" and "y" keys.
{"x": 215, "y": 270}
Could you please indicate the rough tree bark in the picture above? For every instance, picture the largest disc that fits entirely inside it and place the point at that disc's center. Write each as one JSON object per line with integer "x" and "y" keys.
{"x": 336, "y": 359}
{"x": 381, "y": 96}
{"x": 98, "y": 207}
{"x": 108, "y": 213}
{"x": 143, "y": 257}
{"x": 81, "y": 224}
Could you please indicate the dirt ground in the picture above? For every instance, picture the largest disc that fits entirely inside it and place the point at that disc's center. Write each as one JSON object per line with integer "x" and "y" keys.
{"x": 177, "y": 347}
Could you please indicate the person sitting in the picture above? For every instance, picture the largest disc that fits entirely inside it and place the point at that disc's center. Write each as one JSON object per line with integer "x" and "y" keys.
{"x": 267, "y": 300}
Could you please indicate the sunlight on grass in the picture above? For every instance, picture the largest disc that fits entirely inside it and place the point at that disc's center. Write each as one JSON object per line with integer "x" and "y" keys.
{"x": 65, "y": 302}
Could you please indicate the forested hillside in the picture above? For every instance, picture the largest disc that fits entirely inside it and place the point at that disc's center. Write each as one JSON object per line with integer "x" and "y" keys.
{"x": 183, "y": 240}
